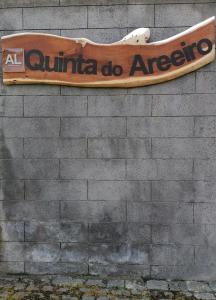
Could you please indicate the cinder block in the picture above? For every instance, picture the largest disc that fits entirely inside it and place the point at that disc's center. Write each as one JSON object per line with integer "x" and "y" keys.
{"x": 11, "y": 190}
{"x": 30, "y": 127}
{"x": 55, "y": 148}
{"x": 25, "y": 3}
{"x": 97, "y": 35}
{"x": 139, "y": 212}
{"x": 205, "y": 126}
{"x": 42, "y": 252}
{"x": 183, "y": 105}
{"x": 205, "y": 213}
{"x": 11, "y": 106}
{"x": 55, "y": 232}
{"x": 160, "y": 127}
{"x": 182, "y": 85}
{"x": 182, "y": 191}
{"x": 94, "y": 211}
{"x": 12, "y": 251}
{"x": 204, "y": 169}
{"x": 188, "y": 14}
{"x": 93, "y": 127}
{"x": 12, "y": 231}
{"x": 137, "y": 231}
{"x": 186, "y": 234}
{"x": 119, "y": 190}
{"x": 11, "y": 148}
{"x": 188, "y": 272}
{"x": 107, "y": 232}
{"x": 55, "y": 190}
{"x": 39, "y": 268}
{"x": 131, "y": 105}
{"x": 68, "y": 91}
{"x": 205, "y": 82}
{"x": 92, "y": 169}
{"x": 29, "y": 89}
{"x": 12, "y": 267}
{"x": 154, "y": 169}
{"x": 119, "y": 148}
{"x": 92, "y": 2}
{"x": 29, "y": 210}
{"x": 171, "y": 213}
{"x": 65, "y": 17}
{"x": 129, "y": 270}
{"x": 29, "y": 169}
{"x": 74, "y": 252}
{"x": 11, "y": 19}
{"x": 183, "y": 148}
{"x": 119, "y": 253}
{"x": 172, "y": 255}
{"x": 120, "y": 16}
{"x": 205, "y": 255}
{"x": 62, "y": 106}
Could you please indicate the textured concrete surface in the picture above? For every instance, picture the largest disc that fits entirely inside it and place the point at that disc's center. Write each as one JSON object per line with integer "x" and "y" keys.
{"x": 109, "y": 182}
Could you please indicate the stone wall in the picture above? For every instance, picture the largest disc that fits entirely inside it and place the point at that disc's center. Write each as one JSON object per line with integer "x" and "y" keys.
{"x": 109, "y": 181}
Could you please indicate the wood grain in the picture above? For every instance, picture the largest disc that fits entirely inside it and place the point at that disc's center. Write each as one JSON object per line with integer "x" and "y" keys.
{"x": 118, "y": 54}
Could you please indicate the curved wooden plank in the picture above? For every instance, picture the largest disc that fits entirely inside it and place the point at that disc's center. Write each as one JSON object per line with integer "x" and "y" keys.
{"x": 41, "y": 58}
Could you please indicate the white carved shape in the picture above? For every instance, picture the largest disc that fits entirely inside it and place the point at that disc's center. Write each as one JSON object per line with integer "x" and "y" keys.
{"x": 139, "y": 36}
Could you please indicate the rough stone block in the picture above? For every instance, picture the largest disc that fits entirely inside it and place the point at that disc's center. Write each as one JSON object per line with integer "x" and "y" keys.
{"x": 182, "y": 191}
{"x": 55, "y": 148}
{"x": 205, "y": 213}
{"x": 55, "y": 232}
{"x": 204, "y": 169}
{"x": 11, "y": 106}
{"x": 119, "y": 190}
{"x": 41, "y": 252}
{"x": 65, "y": 17}
{"x": 92, "y": 169}
{"x": 119, "y": 270}
{"x": 120, "y": 16}
{"x": 11, "y": 231}
{"x": 157, "y": 285}
{"x": 205, "y": 82}
{"x": 62, "y": 106}
{"x": 119, "y": 253}
{"x": 171, "y": 213}
{"x": 160, "y": 127}
{"x": 107, "y": 232}
{"x": 11, "y": 148}
{"x": 29, "y": 210}
{"x": 183, "y": 105}
{"x": 11, "y": 19}
{"x": 94, "y": 211}
{"x": 55, "y": 190}
{"x": 205, "y": 127}
{"x": 11, "y": 190}
{"x": 39, "y": 268}
{"x": 139, "y": 212}
{"x": 129, "y": 105}
{"x": 29, "y": 169}
{"x": 183, "y": 148}
{"x": 189, "y": 14}
{"x": 172, "y": 255}
{"x": 30, "y": 127}
{"x": 74, "y": 252}
{"x": 12, "y": 267}
{"x": 93, "y": 127}
{"x": 149, "y": 169}
{"x": 119, "y": 148}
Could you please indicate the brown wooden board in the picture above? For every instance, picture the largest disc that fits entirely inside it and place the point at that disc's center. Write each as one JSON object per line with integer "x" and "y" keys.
{"x": 41, "y": 58}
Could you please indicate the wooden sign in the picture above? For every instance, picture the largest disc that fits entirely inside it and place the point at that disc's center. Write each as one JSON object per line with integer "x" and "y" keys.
{"x": 43, "y": 58}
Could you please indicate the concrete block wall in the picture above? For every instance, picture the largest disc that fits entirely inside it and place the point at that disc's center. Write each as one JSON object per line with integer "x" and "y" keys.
{"x": 109, "y": 181}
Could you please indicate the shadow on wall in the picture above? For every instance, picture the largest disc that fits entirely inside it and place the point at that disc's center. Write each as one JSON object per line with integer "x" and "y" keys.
{"x": 7, "y": 192}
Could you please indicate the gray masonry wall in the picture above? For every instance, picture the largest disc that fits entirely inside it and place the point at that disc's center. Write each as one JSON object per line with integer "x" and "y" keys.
{"x": 109, "y": 181}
